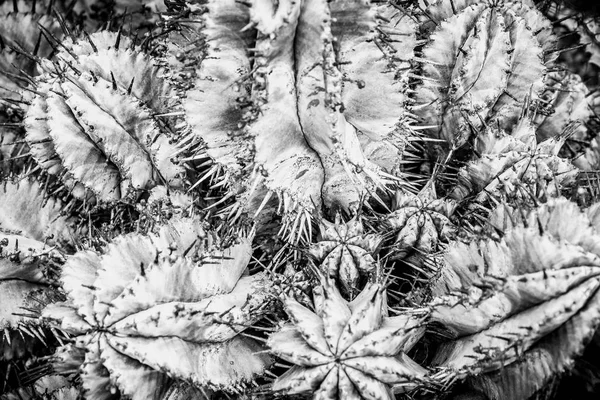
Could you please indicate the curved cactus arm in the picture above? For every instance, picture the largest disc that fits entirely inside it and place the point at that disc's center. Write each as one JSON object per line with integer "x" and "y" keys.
{"x": 133, "y": 378}
{"x": 96, "y": 110}
{"x": 567, "y": 95}
{"x": 374, "y": 58}
{"x": 320, "y": 109}
{"x": 482, "y": 62}
{"x": 28, "y": 211}
{"x": 112, "y": 56}
{"x": 212, "y": 108}
{"x": 216, "y": 365}
{"x": 550, "y": 356}
{"x": 292, "y": 169}
{"x": 516, "y": 293}
{"x": 79, "y": 155}
{"x": 164, "y": 283}
{"x": 526, "y": 72}
{"x": 508, "y": 304}
{"x": 215, "y": 319}
{"x": 440, "y": 56}
{"x": 502, "y": 343}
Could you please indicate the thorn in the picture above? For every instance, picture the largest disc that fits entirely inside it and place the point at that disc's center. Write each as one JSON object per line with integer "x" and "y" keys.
{"x": 130, "y": 86}
{"x": 114, "y": 82}
{"x": 87, "y": 36}
{"x": 118, "y": 41}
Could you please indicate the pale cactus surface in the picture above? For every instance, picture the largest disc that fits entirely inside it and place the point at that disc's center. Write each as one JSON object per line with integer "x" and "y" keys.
{"x": 295, "y": 199}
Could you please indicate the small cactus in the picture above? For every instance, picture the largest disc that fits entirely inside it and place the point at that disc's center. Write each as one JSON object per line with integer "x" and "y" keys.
{"x": 419, "y": 221}
{"x": 345, "y": 253}
{"x": 347, "y": 350}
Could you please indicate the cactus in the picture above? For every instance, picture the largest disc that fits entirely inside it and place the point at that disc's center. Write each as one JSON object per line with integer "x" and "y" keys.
{"x": 32, "y": 245}
{"x": 93, "y": 121}
{"x": 347, "y": 350}
{"x": 217, "y": 198}
{"x": 521, "y": 309}
{"x": 482, "y": 61}
{"x": 147, "y": 315}
{"x": 514, "y": 166}
{"x": 345, "y": 252}
{"x": 419, "y": 222}
{"x": 295, "y": 125}
{"x": 566, "y": 96}
{"x": 22, "y": 41}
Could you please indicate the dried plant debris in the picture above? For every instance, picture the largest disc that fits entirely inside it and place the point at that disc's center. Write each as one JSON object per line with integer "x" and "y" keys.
{"x": 147, "y": 312}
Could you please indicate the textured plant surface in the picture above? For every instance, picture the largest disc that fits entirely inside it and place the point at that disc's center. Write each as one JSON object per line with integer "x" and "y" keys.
{"x": 341, "y": 199}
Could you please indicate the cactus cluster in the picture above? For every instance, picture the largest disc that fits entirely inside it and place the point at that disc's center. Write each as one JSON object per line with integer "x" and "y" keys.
{"x": 336, "y": 199}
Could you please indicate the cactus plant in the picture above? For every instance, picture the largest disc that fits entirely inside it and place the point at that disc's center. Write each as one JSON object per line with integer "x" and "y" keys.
{"x": 295, "y": 198}
{"x": 482, "y": 61}
{"x": 101, "y": 97}
{"x": 347, "y": 350}
{"x": 520, "y": 309}
{"x": 32, "y": 246}
{"x": 142, "y": 302}
{"x": 345, "y": 252}
{"x": 312, "y": 58}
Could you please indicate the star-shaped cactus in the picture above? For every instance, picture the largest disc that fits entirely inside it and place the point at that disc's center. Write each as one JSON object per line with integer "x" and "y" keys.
{"x": 345, "y": 252}
{"x": 347, "y": 350}
{"x": 519, "y": 311}
{"x": 419, "y": 222}
{"x": 147, "y": 311}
